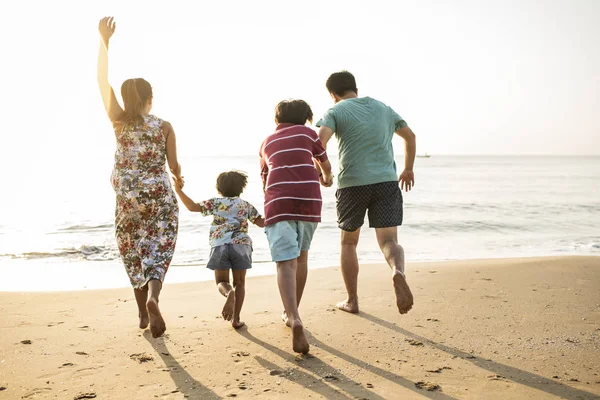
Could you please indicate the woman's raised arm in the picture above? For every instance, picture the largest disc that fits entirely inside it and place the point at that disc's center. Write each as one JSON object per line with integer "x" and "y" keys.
{"x": 106, "y": 27}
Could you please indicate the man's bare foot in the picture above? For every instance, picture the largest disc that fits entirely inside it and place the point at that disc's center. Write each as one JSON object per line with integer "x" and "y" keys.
{"x": 348, "y": 306}
{"x": 299, "y": 341}
{"x": 285, "y": 319}
{"x": 157, "y": 323}
{"x": 144, "y": 320}
{"x": 404, "y": 297}
{"x": 237, "y": 324}
{"x": 229, "y": 306}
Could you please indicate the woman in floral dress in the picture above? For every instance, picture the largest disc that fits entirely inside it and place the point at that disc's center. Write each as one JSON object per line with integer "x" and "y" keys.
{"x": 147, "y": 213}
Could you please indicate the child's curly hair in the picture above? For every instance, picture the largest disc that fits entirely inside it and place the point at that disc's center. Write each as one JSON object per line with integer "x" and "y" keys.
{"x": 231, "y": 183}
{"x": 295, "y": 112}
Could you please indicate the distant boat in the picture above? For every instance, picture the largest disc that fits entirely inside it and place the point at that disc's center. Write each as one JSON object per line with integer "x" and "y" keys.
{"x": 423, "y": 155}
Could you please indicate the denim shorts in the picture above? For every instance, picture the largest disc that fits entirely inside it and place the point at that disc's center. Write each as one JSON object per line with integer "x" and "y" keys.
{"x": 288, "y": 238}
{"x": 230, "y": 256}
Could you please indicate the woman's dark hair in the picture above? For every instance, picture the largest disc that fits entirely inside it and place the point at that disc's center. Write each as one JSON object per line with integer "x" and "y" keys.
{"x": 231, "y": 183}
{"x": 341, "y": 83}
{"x": 135, "y": 92}
{"x": 295, "y": 112}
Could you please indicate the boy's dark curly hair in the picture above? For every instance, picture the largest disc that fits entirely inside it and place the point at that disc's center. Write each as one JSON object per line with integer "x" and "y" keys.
{"x": 231, "y": 183}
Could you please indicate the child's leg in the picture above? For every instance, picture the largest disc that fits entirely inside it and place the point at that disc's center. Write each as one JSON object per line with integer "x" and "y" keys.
{"x": 222, "y": 280}
{"x": 301, "y": 276}
{"x": 239, "y": 285}
{"x": 157, "y": 323}
{"x": 286, "y": 279}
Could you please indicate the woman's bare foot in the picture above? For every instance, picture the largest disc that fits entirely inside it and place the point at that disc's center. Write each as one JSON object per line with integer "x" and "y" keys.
{"x": 404, "y": 297}
{"x": 144, "y": 320}
{"x": 299, "y": 341}
{"x": 285, "y": 319}
{"x": 229, "y": 306}
{"x": 348, "y": 306}
{"x": 236, "y": 323}
{"x": 157, "y": 323}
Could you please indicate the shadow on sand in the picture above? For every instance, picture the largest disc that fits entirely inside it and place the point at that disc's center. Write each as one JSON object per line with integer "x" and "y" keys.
{"x": 326, "y": 373}
{"x": 511, "y": 373}
{"x": 185, "y": 383}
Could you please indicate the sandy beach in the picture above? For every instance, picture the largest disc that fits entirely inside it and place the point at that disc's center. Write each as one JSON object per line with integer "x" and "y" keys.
{"x": 482, "y": 329}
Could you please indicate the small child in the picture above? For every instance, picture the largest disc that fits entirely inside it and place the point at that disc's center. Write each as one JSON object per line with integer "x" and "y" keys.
{"x": 231, "y": 246}
{"x": 293, "y": 163}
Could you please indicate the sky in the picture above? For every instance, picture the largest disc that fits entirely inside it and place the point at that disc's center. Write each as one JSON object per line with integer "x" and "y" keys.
{"x": 469, "y": 77}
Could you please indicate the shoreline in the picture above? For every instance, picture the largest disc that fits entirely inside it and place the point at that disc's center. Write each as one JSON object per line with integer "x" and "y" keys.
{"x": 496, "y": 329}
{"x": 16, "y": 280}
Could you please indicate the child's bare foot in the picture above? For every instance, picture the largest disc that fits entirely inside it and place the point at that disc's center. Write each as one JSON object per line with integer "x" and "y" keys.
{"x": 299, "y": 341}
{"x": 285, "y": 319}
{"x": 236, "y": 323}
{"x": 157, "y": 323}
{"x": 144, "y": 320}
{"x": 404, "y": 297}
{"x": 229, "y": 306}
{"x": 348, "y": 306}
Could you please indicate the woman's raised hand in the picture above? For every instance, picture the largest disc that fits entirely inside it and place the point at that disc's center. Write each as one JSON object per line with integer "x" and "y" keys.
{"x": 106, "y": 27}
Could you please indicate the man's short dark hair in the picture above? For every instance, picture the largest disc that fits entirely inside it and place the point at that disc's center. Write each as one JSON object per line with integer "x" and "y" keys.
{"x": 232, "y": 183}
{"x": 341, "y": 83}
{"x": 295, "y": 112}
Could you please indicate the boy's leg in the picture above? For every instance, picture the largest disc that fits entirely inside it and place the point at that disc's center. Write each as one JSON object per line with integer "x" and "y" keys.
{"x": 286, "y": 279}
{"x": 301, "y": 276}
{"x": 222, "y": 280}
{"x": 239, "y": 285}
{"x": 157, "y": 323}
{"x": 349, "y": 261}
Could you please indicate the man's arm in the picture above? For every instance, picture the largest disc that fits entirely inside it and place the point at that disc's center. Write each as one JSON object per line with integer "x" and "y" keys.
{"x": 407, "y": 177}
{"x": 325, "y": 133}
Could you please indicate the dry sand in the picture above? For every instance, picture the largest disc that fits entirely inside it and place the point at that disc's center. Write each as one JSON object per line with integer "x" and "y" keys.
{"x": 491, "y": 329}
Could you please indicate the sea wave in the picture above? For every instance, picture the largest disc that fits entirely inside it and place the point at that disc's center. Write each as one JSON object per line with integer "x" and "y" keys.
{"x": 85, "y": 228}
{"x": 86, "y": 252}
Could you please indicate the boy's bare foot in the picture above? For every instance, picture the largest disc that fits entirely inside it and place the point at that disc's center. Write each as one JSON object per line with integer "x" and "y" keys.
{"x": 404, "y": 297}
{"x": 236, "y": 323}
{"x": 229, "y": 306}
{"x": 285, "y": 319}
{"x": 157, "y": 323}
{"x": 348, "y": 306}
{"x": 299, "y": 341}
{"x": 144, "y": 320}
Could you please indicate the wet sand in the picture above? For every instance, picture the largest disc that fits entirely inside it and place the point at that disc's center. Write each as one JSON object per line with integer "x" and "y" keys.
{"x": 493, "y": 329}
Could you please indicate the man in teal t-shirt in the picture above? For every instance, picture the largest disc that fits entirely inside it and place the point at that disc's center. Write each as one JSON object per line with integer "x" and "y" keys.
{"x": 368, "y": 180}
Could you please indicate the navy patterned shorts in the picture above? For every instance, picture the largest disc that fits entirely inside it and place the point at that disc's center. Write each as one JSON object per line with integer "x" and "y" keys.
{"x": 383, "y": 201}
{"x": 230, "y": 256}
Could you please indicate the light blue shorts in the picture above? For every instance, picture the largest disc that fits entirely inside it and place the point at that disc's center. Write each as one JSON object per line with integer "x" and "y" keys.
{"x": 288, "y": 238}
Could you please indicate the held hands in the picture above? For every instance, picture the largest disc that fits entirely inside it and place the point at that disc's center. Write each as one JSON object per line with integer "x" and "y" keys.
{"x": 407, "y": 180}
{"x": 106, "y": 27}
{"x": 178, "y": 183}
{"x": 326, "y": 181}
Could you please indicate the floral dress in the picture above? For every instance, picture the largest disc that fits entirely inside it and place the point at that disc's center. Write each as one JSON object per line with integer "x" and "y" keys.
{"x": 147, "y": 213}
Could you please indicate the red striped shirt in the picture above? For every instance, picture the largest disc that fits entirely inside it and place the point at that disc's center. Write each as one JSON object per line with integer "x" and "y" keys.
{"x": 291, "y": 181}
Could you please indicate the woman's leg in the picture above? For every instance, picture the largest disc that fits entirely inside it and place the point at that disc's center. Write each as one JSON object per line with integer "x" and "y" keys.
{"x": 239, "y": 285}
{"x": 141, "y": 297}
{"x": 286, "y": 279}
{"x": 157, "y": 323}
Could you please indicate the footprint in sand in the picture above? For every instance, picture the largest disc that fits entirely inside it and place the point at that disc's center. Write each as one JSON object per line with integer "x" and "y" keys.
{"x": 429, "y": 386}
{"x": 26, "y": 341}
{"x": 141, "y": 357}
{"x": 90, "y": 395}
{"x": 414, "y": 342}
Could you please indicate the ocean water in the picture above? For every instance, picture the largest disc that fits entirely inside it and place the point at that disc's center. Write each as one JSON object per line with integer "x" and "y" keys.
{"x": 461, "y": 208}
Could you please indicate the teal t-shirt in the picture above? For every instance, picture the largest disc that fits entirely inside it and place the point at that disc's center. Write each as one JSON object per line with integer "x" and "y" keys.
{"x": 364, "y": 128}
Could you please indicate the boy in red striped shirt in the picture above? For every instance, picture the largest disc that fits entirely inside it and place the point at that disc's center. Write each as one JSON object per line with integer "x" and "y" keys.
{"x": 293, "y": 165}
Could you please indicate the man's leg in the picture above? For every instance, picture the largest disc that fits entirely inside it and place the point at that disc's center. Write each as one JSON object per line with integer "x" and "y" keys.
{"x": 286, "y": 279}
{"x": 349, "y": 261}
{"x": 394, "y": 255}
